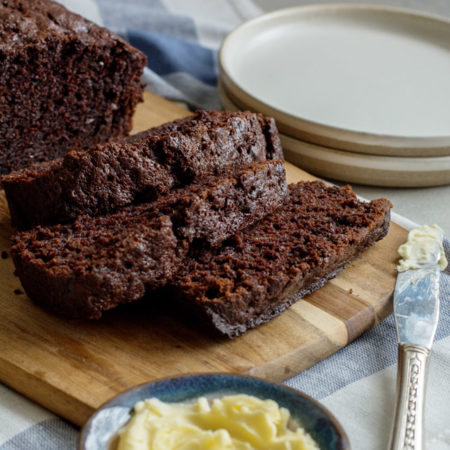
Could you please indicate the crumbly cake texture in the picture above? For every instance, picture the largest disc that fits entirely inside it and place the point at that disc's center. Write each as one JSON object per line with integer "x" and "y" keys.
{"x": 64, "y": 82}
{"x": 267, "y": 267}
{"x": 97, "y": 263}
{"x": 88, "y": 268}
{"x": 138, "y": 168}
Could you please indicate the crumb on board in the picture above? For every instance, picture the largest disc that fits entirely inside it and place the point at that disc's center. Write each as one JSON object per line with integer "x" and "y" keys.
{"x": 350, "y": 291}
{"x": 4, "y": 254}
{"x": 18, "y": 292}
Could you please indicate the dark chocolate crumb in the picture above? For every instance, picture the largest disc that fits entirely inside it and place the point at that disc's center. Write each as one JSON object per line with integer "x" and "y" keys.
{"x": 18, "y": 292}
{"x": 4, "y": 254}
{"x": 35, "y": 32}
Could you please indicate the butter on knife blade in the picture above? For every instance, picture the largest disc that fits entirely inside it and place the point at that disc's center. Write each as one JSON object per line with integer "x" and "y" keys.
{"x": 416, "y": 311}
{"x": 418, "y": 249}
{"x": 416, "y": 296}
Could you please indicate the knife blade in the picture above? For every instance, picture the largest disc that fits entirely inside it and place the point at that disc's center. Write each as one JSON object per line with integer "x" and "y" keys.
{"x": 416, "y": 305}
{"x": 416, "y": 312}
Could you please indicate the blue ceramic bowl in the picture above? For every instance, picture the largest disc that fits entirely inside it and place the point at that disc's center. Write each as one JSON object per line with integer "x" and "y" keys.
{"x": 307, "y": 412}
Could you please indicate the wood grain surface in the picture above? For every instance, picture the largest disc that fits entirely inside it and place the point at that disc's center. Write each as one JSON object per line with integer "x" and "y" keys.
{"x": 72, "y": 367}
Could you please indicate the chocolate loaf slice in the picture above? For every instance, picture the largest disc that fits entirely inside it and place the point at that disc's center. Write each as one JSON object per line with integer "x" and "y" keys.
{"x": 64, "y": 83}
{"x": 96, "y": 263}
{"x": 210, "y": 140}
{"x": 139, "y": 168}
{"x": 265, "y": 268}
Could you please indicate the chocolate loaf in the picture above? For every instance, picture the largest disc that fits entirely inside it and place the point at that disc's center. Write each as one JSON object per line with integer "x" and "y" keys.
{"x": 139, "y": 168}
{"x": 265, "y": 268}
{"x": 64, "y": 83}
{"x": 96, "y": 263}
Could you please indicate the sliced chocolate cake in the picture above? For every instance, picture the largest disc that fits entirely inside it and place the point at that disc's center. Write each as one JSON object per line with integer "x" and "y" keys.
{"x": 96, "y": 263}
{"x": 139, "y": 168}
{"x": 268, "y": 266}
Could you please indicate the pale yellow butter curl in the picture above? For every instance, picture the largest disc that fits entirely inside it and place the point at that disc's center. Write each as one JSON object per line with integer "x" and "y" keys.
{"x": 235, "y": 422}
{"x": 417, "y": 251}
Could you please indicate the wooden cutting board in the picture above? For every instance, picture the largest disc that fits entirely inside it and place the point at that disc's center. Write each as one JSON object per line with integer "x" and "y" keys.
{"x": 72, "y": 367}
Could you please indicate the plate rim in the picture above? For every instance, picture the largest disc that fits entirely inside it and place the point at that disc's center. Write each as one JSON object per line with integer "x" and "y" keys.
{"x": 322, "y": 134}
{"x": 408, "y": 178}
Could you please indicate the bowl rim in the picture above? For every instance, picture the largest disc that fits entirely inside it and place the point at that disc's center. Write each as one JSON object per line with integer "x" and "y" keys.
{"x": 86, "y": 429}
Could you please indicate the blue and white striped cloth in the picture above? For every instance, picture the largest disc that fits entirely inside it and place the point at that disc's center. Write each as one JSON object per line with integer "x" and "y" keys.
{"x": 357, "y": 384}
{"x": 180, "y": 38}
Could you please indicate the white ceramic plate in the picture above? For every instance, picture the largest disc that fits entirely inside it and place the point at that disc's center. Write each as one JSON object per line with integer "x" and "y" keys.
{"x": 361, "y": 168}
{"x": 366, "y": 79}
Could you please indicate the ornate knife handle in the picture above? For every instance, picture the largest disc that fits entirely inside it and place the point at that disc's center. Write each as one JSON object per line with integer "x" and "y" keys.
{"x": 407, "y": 432}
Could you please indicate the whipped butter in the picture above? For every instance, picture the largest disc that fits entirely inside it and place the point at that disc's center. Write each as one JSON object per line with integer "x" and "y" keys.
{"x": 417, "y": 251}
{"x": 240, "y": 422}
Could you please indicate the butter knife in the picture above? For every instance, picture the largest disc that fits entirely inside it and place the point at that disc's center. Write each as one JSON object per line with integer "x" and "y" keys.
{"x": 416, "y": 311}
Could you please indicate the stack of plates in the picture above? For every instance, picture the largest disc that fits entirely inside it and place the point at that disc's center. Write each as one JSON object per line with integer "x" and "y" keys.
{"x": 359, "y": 93}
